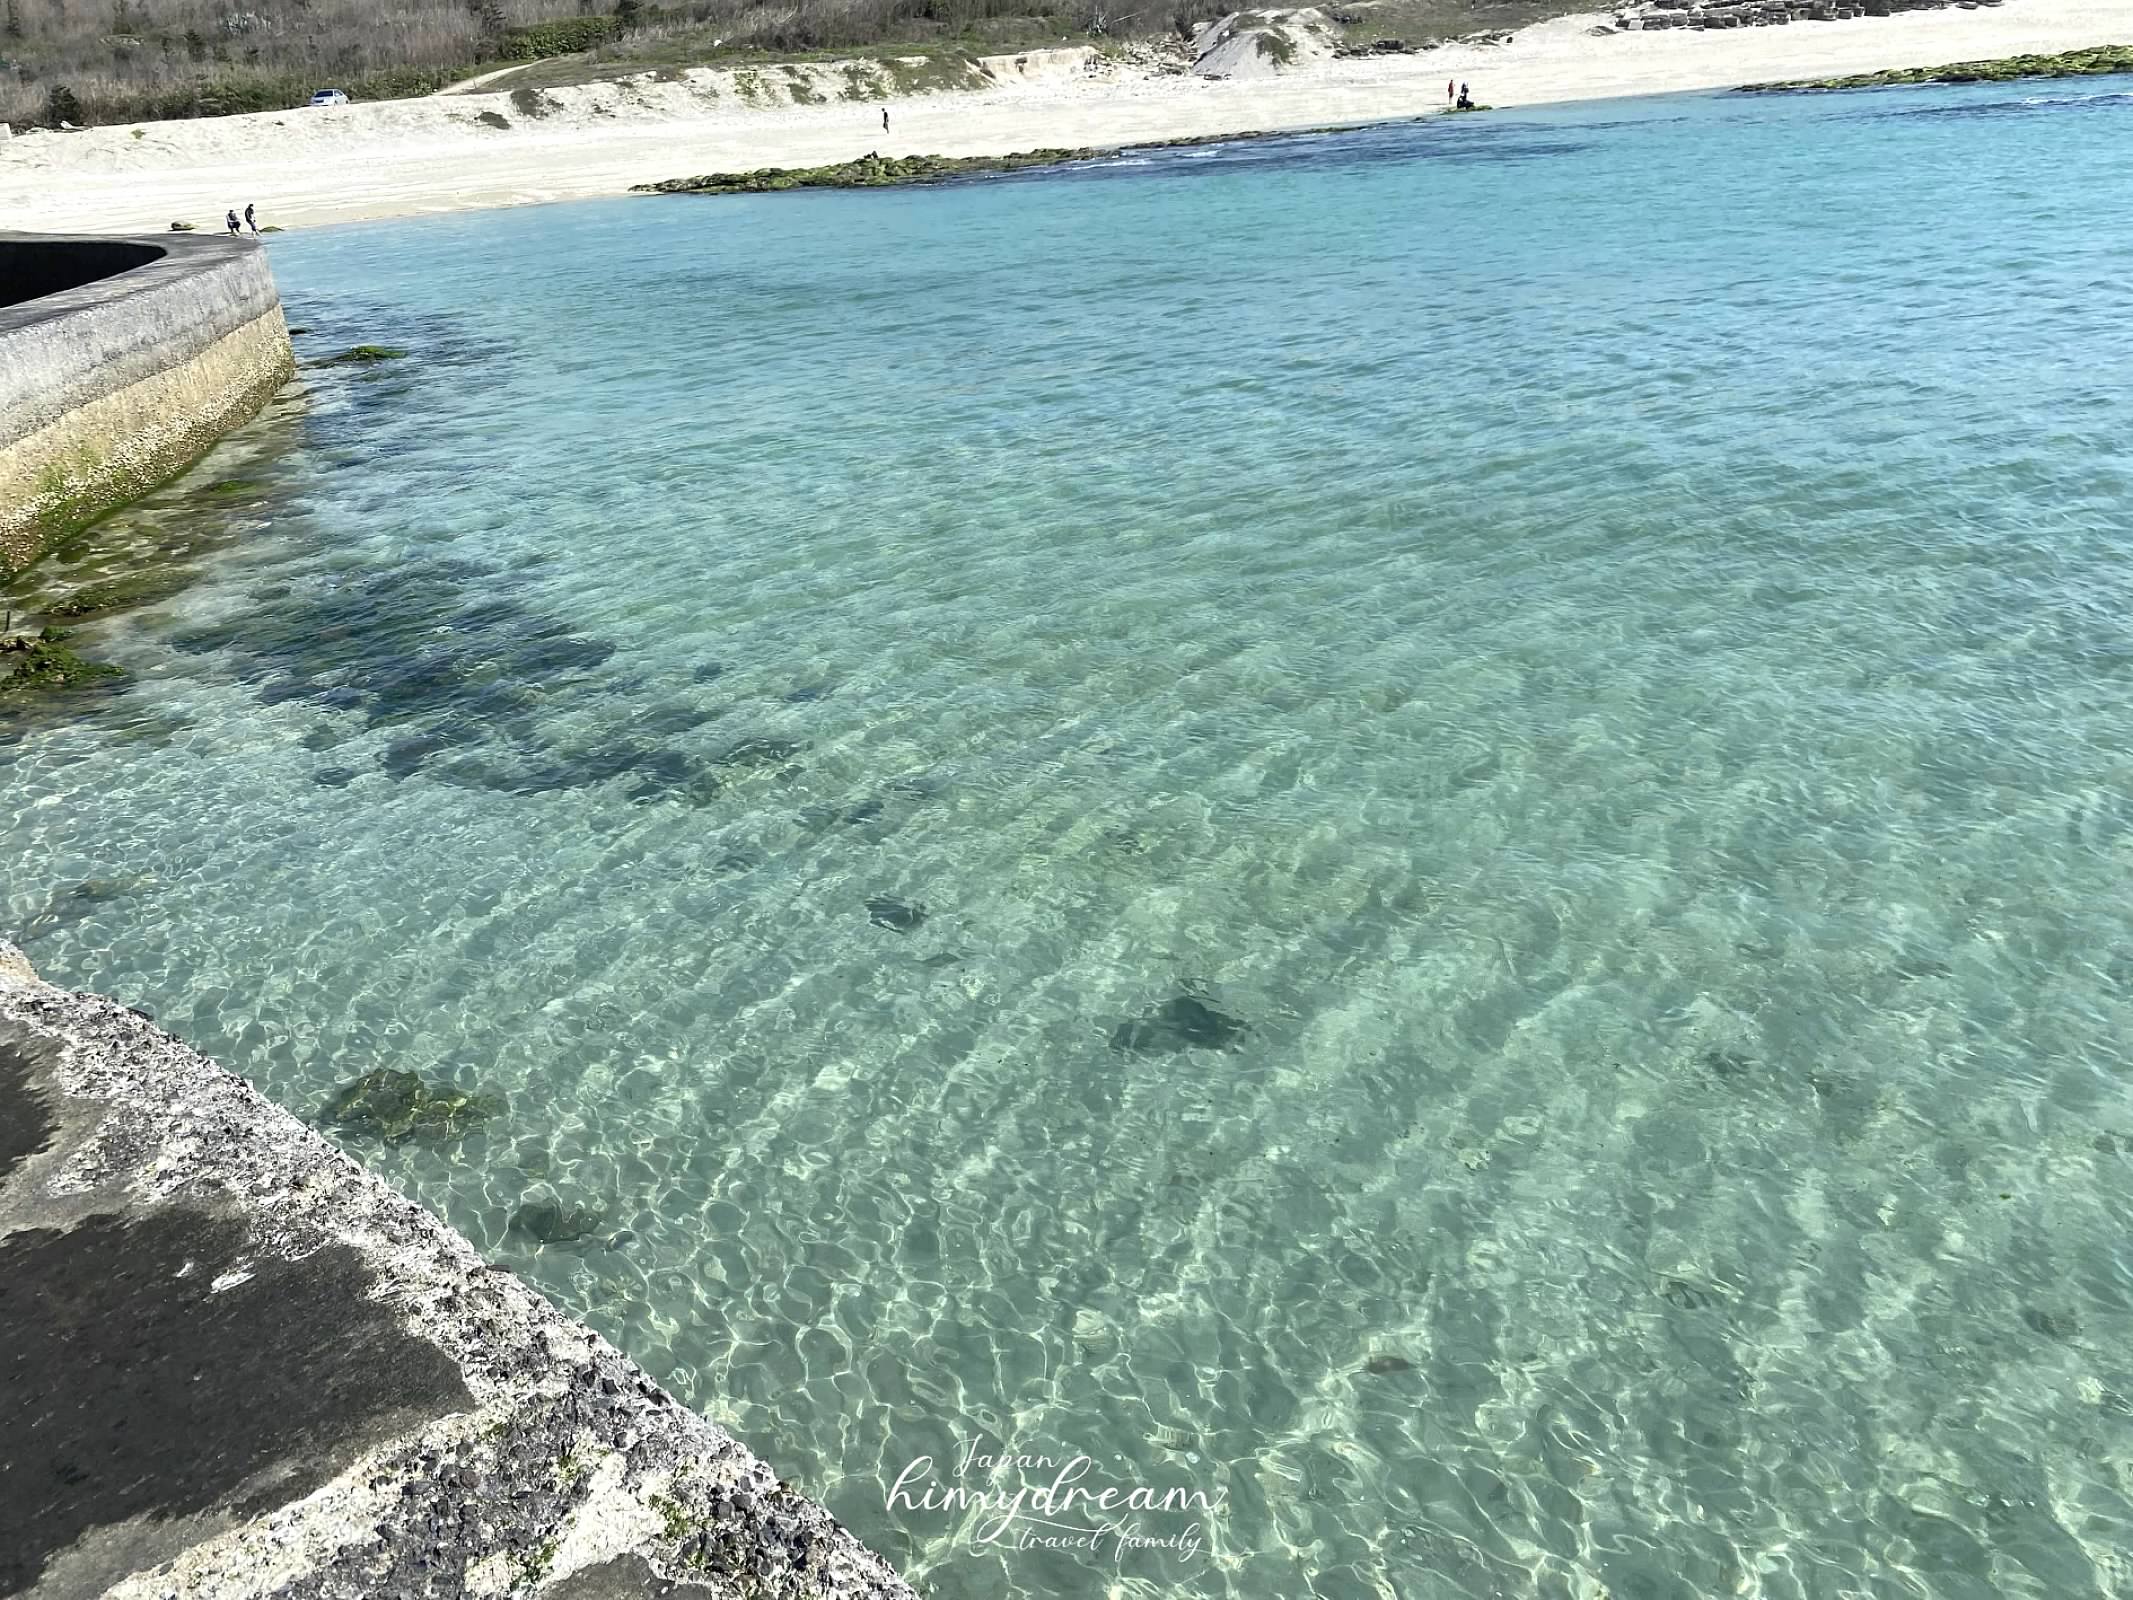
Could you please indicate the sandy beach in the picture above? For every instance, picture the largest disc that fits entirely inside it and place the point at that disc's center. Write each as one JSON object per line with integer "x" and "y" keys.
{"x": 415, "y": 157}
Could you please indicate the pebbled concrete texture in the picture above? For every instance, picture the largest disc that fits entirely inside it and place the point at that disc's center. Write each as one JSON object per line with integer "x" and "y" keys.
{"x": 234, "y": 1364}
{"x": 111, "y": 383}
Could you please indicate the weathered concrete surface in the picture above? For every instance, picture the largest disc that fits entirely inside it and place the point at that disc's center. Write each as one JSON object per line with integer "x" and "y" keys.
{"x": 232, "y": 1363}
{"x": 112, "y": 385}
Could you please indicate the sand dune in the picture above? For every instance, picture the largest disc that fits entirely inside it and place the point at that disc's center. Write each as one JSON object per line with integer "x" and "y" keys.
{"x": 409, "y": 157}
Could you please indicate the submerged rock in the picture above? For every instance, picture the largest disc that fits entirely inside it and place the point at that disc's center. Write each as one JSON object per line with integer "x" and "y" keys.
{"x": 1182, "y": 1023}
{"x": 885, "y": 911}
{"x": 45, "y": 665}
{"x": 405, "y": 756}
{"x": 1385, "y": 1366}
{"x": 393, "y": 1106}
{"x": 551, "y": 1222}
{"x": 362, "y": 355}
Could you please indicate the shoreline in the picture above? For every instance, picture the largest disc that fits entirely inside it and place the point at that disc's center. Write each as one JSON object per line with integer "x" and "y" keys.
{"x": 438, "y": 155}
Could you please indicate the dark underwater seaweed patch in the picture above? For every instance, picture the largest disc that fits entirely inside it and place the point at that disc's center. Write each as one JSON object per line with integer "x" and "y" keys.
{"x": 443, "y": 652}
{"x": 1181, "y": 1023}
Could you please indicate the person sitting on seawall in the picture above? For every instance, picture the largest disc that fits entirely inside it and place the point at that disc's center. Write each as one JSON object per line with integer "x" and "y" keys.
{"x": 1466, "y": 101}
{"x": 235, "y": 226}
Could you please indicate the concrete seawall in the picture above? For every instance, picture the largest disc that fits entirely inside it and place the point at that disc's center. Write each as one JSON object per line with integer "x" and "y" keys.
{"x": 233, "y": 1363}
{"x": 121, "y": 361}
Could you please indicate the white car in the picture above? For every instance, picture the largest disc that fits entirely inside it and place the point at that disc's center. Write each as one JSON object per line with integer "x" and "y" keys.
{"x": 330, "y": 97}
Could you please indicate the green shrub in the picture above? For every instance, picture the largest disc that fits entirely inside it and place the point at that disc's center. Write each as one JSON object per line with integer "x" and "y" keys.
{"x": 565, "y": 38}
{"x": 60, "y": 105}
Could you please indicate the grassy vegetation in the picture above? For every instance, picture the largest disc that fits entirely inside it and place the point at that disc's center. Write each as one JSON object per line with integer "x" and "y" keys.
{"x": 882, "y": 68}
{"x": 103, "y": 61}
{"x": 88, "y": 62}
{"x": 1424, "y": 21}
{"x": 2073, "y": 64}
{"x": 868, "y": 172}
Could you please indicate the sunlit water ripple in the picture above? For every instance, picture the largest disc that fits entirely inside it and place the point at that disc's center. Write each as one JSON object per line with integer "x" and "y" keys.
{"x": 1428, "y": 829}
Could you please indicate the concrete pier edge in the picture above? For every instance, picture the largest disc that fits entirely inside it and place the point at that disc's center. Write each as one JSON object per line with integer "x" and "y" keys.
{"x": 235, "y": 1364}
{"x": 121, "y": 362}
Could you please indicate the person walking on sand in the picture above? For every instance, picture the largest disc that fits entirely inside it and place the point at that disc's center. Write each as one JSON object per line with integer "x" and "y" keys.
{"x": 1449, "y": 96}
{"x": 884, "y": 119}
{"x": 249, "y": 220}
{"x": 232, "y": 220}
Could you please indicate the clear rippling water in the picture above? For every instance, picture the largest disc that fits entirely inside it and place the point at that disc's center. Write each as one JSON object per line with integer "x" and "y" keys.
{"x": 1424, "y": 829}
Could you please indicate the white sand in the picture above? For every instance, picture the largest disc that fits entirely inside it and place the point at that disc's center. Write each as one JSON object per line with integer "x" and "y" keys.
{"x": 408, "y": 157}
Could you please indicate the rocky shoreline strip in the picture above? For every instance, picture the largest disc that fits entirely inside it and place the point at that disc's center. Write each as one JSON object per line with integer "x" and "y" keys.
{"x": 868, "y": 172}
{"x": 2102, "y": 61}
{"x": 875, "y": 171}
{"x": 238, "y": 1365}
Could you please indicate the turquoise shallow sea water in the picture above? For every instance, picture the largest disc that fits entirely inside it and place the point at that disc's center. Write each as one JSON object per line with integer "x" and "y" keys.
{"x": 1426, "y": 830}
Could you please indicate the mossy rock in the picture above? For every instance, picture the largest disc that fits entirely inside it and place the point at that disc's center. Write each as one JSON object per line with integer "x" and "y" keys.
{"x": 493, "y": 119}
{"x": 183, "y": 227}
{"x": 226, "y": 488}
{"x": 395, "y": 1106}
{"x": 886, "y": 911}
{"x": 2107, "y": 58}
{"x": 363, "y": 355}
{"x": 118, "y": 594}
{"x": 868, "y": 172}
{"x": 44, "y": 665}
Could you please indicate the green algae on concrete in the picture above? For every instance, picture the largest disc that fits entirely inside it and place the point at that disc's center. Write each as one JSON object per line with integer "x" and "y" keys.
{"x": 2069, "y": 64}
{"x": 868, "y": 172}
